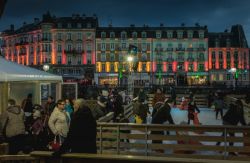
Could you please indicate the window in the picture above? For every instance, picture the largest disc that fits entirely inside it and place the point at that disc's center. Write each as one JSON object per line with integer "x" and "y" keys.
{"x": 201, "y": 34}
{"x": 120, "y": 57}
{"x": 134, "y": 35}
{"x": 112, "y": 34}
{"x": 68, "y": 36}
{"x": 88, "y": 25}
{"x": 190, "y": 34}
{"x": 144, "y": 46}
{"x": 112, "y": 57}
{"x": 201, "y": 67}
{"x": 220, "y": 55}
{"x": 159, "y": 67}
{"x": 228, "y": 43}
{"x": 59, "y": 36}
{"x": 103, "y": 57}
{"x": 170, "y": 67}
{"x": 79, "y": 36}
{"x": 79, "y": 60}
{"x": 213, "y": 55}
{"x": 144, "y": 67}
{"x": 236, "y": 55}
{"x": 103, "y": 35}
{"x": 103, "y": 67}
{"x": 158, "y": 34}
{"x": 228, "y": 55}
{"x": 180, "y": 66}
{"x": 179, "y": 46}
{"x": 79, "y": 47}
{"x": 123, "y": 35}
{"x": 180, "y": 35}
{"x": 170, "y": 34}
{"x": 69, "y": 60}
{"x": 69, "y": 47}
{"x": 190, "y": 55}
{"x": 112, "y": 67}
{"x": 79, "y": 25}
{"x": 59, "y": 25}
{"x": 228, "y": 65}
{"x": 59, "y": 48}
{"x": 69, "y": 25}
{"x": 144, "y": 57}
{"x": 103, "y": 46}
{"x": 112, "y": 46}
{"x": 123, "y": 45}
{"x": 144, "y": 35}
{"x": 220, "y": 65}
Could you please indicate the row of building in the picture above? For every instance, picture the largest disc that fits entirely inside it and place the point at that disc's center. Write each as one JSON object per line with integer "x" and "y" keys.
{"x": 80, "y": 50}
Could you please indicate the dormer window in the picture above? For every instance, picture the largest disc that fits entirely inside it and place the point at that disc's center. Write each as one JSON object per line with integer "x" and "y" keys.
{"x": 112, "y": 34}
{"x": 123, "y": 35}
{"x": 144, "y": 35}
{"x": 158, "y": 34}
{"x": 190, "y": 34}
{"x": 69, "y": 25}
{"x": 134, "y": 35}
{"x": 180, "y": 34}
{"x": 103, "y": 35}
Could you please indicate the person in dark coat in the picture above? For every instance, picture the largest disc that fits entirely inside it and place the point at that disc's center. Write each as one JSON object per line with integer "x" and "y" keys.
{"x": 118, "y": 108}
{"x": 81, "y": 137}
{"x": 233, "y": 116}
{"x": 173, "y": 94}
{"x": 161, "y": 116}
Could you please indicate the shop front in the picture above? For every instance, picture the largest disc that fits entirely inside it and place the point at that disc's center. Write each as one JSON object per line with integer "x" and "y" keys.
{"x": 110, "y": 79}
{"x": 165, "y": 79}
{"x": 197, "y": 78}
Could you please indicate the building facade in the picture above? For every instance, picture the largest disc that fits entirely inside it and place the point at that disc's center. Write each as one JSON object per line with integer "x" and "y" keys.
{"x": 67, "y": 44}
{"x": 79, "y": 50}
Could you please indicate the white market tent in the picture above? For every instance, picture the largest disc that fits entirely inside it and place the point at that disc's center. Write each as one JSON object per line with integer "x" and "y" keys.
{"x": 16, "y": 81}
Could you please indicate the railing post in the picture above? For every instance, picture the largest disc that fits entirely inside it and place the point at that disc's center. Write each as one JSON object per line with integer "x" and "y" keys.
{"x": 225, "y": 143}
{"x": 100, "y": 139}
{"x": 146, "y": 137}
{"x": 118, "y": 139}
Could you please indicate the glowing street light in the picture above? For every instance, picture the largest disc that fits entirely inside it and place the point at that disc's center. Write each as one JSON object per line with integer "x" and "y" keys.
{"x": 130, "y": 59}
{"x": 46, "y": 67}
{"x": 233, "y": 71}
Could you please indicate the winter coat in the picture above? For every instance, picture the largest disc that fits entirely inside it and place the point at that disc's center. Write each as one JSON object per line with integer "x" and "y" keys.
{"x": 163, "y": 115}
{"x": 218, "y": 103}
{"x": 27, "y": 105}
{"x": 234, "y": 115}
{"x": 158, "y": 97}
{"x": 142, "y": 96}
{"x": 98, "y": 111}
{"x": 58, "y": 122}
{"x": 13, "y": 118}
{"x": 82, "y": 133}
{"x": 118, "y": 108}
{"x": 141, "y": 110}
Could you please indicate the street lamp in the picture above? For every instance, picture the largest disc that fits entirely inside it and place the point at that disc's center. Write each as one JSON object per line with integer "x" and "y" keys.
{"x": 130, "y": 60}
{"x": 233, "y": 71}
{"x": 46, "y": 67}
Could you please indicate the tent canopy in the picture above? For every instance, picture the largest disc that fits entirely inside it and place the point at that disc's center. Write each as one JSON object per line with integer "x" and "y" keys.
{"x": 10, "y": 71}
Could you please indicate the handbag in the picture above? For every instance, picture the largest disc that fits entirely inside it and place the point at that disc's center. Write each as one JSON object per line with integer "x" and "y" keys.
{"x": 55, "y": 144}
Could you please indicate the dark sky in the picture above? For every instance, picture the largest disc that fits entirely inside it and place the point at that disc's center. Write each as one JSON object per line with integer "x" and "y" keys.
{"x": 218, "y": 15}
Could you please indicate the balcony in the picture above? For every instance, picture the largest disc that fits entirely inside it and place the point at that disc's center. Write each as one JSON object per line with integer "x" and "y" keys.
{"x": 21, "y": 43}
{"x": 200, "y": 59}
{"x": 180, "y": 49}
{"x": 73, "y": 52}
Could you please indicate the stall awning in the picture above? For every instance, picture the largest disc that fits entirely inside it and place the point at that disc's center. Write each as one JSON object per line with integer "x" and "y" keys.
{"x": 11, "y": 71}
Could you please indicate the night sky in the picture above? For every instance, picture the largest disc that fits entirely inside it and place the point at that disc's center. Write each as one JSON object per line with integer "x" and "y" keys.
{"x": 218, "y": 15}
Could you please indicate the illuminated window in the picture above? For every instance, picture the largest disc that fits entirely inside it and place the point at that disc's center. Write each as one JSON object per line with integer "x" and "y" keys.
{"x": 112, "y": 46}
{"x": 112, "y": 67}
{"x": 170, "y": 34}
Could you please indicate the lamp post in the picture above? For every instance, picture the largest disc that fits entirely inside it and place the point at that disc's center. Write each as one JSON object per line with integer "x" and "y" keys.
{"x": 233, "y": 71}
{"x": 46, "y": 67}
{"x": 130, "y": 60}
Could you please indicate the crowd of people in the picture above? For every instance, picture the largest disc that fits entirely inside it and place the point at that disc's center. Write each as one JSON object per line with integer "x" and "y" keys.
{"x": 34, "y": 127}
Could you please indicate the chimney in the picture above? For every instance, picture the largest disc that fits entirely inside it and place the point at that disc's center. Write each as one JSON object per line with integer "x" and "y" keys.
{"x": 83, "y": 16}
{"x": 94, "y": 16}
{"x": 24, "y": 23}
{"x": 132, "y": 25}
{"x": 12, "y": 27}
{"x": 161, "y": 25}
